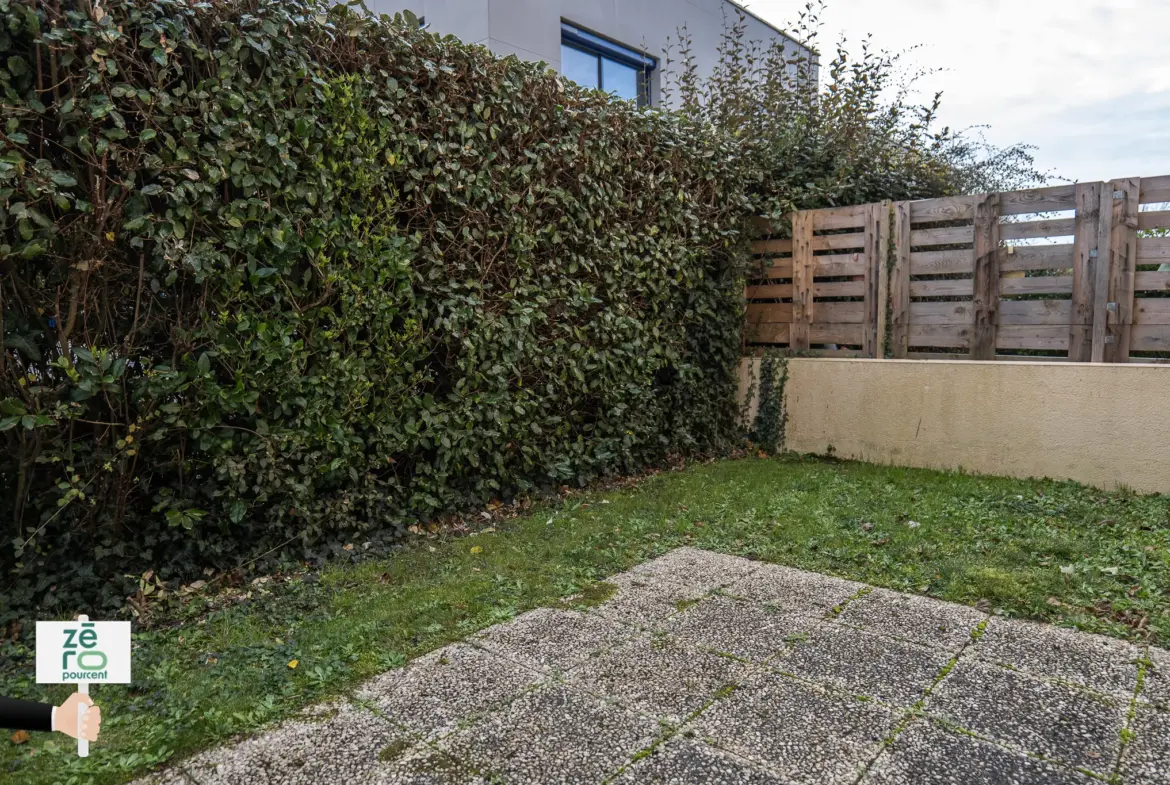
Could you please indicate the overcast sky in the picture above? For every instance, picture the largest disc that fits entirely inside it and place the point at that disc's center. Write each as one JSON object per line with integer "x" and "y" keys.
{"x": 1087, "y": 81}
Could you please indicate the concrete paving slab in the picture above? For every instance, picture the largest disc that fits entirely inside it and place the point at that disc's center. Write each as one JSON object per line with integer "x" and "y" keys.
{"x": 686, "y": 761}
{"x": 553, "y": 640}
{"x": 1103, "y": 664}
{"x": 744, "y": 629}
{"x": 680, "y": 677}
{"x": 1146, "y": 760}
{"x": 336, "y": 742}
{"x": 432, "y": 695}
{"x": 921, "y": 620}
{"x": 925, "y": 754}
{"x": 659, "y": 675}
{"x": 1044, "y": 718}
{"x": 802, "y": 732}
{"x": 553, "y": 734}
{"x": 894, "y": 672}
{"x": 794, "y": 591}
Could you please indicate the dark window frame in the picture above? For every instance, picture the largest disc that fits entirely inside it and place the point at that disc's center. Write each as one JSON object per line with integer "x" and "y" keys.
{"x": 603, "y": 49}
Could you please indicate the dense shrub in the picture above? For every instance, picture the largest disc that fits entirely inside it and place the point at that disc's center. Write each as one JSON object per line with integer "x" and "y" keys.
{"x": 836, "y": 130}
{"x": 276, "y": 273}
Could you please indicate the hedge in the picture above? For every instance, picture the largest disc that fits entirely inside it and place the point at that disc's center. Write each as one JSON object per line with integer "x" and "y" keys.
{"x": 285, "y": 276}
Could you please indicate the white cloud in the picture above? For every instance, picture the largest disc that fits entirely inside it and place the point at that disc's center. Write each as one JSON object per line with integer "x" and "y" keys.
{"x": 1088, "y": 81}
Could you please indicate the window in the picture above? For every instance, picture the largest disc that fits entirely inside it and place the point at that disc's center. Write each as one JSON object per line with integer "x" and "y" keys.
{"x": 592, "y": 61}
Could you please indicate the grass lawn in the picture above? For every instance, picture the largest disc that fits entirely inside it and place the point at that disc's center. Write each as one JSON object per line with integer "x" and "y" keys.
{"x": 1043, "y": 550}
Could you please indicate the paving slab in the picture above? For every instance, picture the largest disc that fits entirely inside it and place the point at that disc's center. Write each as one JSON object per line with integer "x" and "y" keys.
{"x": 686, "y": 761}
{"x": 802, "y": 732}
{"x": 711, "y": 669}
{"x": 659, "y": 676}
{"x": 925, "y": 754}
{"x": 794, "y": 591}
{"x": 702, "y": 570}
{"x": 921, "y": 620}
{"x": 553, "y": 640}
{"x": 1146, "y": 760}
{"x": 1103, "y": 664}
{"x": 434, "y": 694}
{"x": 744, "y": 629}
{"x": 332, "y": 743}
{"x": 894, "y": 672}
{"x": 1044, "y": 718}
{"x": 553, "y": 734}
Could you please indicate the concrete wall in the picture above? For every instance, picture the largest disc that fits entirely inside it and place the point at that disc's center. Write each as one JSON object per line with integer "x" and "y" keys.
{"x": 531, "y": 29}
{"x": 1102, "y": 425}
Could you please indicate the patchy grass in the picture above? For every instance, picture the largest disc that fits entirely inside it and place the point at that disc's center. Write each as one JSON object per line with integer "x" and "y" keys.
{"x": 1043, "y": 550}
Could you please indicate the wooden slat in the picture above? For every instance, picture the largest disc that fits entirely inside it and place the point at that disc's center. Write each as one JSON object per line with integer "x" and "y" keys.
{"x": 765, "y": 313}
{"x": 843, "y": 264}
{"x": 1150, "y": 338}
{"x": 950, "y": 335}
{"x": 1155, "y": 281}
{"x": 839, "y": 289}
{"x": 773, "y": 332}
{"x": 776, "y": 291}
{"x": 838, "y": 353}
{"x": 763, "y": 247}
{"x": 1122, "y": 267}
{"x": 1149, "y": 360}
{"x": 937, "y": 356}
{"x": 1039, "y": 200}
{"x": 839, "y": 242}
{"x": 1030, "y": 358}
{"x": 1084, "y": 258}
{"x": 828, "y": 218}
{"x": 820, "y": 332}
{"x": 1154, "y": 219}
{"x": 1036, "y": 257}
{"x": 881, "y": 262}
{"x": 1047, "y": 312}
{"x": 1153, "y": 250}
{"x": 940, "y": 313}
{"x": 952, "y": 235}
{"x": 900, "y": 282}
{"x": 1032, "y": 336}
{"x": 842, "y": 313}
{"x": 986, "y": 283}
{"x": 1040, "y": 284}
{"x": 802, "y": 280}
{"x": 873, "y": 221}
{"x": 963, "y": 287}
{"x": 939, "y": 262}
{"x": 1155, "y": 189}
{"x": 950, "y": 208}
{"x": 1030, "y": 230}
{"x": 772, "y": 268}
{"x": 1151, "y": 310}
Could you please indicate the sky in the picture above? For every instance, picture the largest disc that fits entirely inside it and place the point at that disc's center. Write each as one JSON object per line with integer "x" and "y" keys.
{"x": 1086, "y": 81}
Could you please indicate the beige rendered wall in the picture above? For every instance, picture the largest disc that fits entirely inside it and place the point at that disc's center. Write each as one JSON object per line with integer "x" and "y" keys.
{"x": 1102, "y": 425}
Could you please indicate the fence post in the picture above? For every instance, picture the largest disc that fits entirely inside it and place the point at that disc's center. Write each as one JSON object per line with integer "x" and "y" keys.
{"x": 1123, "y": 268}
{"x": 877, "y": 248}
{"x": 802, "y": 280}
{"x": 1086, "y": 257}
{"x": 985, "y": 302}
{"x": 900, "y": 283}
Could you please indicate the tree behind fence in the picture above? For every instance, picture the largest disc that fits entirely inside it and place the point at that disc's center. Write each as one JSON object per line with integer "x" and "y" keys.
{"x": 1068, "y": 273}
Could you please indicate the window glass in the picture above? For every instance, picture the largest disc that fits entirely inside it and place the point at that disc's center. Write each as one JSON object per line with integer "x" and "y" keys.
{"x": 579, "y": 66}
{"x": 619, "y": 79}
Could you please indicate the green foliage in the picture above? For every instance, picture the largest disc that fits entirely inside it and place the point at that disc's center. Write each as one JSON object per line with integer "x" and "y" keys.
{"x": 768, "y": 428}
{"x": 276, "y": 273}
{"x": 837, "y": 133}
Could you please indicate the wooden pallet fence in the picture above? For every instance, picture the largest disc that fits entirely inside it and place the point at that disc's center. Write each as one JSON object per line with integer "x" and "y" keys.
{"x": 1074, "y": 273}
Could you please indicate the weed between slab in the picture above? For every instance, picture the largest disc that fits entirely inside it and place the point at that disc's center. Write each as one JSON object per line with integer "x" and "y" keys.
{"x": 1127, "y": 732}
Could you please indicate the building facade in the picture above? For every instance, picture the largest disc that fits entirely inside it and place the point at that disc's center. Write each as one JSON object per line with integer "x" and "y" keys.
{"x": 617, "y": 45}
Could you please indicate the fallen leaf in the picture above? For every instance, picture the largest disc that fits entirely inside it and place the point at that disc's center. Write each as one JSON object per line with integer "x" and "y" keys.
{"x": 20, "y": 737}
{"x": 867, "y": 526}
{"x": 348, "y": 547}
{"x": 293, "y": 664}
{"x": 476, "y": 549}
{"x": 913, "y": 524}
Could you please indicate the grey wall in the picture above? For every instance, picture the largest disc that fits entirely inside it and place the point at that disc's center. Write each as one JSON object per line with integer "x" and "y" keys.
{"x": 531, "y": 29}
